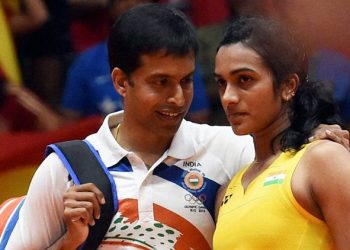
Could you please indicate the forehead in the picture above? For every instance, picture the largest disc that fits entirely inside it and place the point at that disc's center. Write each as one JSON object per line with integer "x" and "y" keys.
{"x": 235, "y": 56}
{"x": 162, "y": 62}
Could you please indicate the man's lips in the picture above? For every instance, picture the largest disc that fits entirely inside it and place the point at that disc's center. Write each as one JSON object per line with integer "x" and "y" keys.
{"x": 171, "y": 114}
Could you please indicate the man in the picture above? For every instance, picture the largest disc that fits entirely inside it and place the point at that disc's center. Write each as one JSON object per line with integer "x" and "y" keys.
{"x": 167, "y": 171}
{"x": 89, "y": 89}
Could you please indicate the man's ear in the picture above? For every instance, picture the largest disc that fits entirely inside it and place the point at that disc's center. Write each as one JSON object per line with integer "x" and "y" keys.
{"x": 289, "y": 87}
{"x": 120, "y": 80}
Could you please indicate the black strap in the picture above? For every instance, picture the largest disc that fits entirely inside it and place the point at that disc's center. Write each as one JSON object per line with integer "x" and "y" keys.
{"x": 88, "y": 170}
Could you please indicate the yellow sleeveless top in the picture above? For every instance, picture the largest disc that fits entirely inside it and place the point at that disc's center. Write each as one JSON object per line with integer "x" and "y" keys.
{"x": 266, "y": 215}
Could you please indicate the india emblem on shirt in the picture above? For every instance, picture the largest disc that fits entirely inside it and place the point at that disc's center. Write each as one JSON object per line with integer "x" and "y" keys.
{"x": 274, "y": 178}
{"x": 194, "y": 180}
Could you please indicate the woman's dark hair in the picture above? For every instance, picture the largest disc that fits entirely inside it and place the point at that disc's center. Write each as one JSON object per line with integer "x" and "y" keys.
{"x": 313, "y": 103}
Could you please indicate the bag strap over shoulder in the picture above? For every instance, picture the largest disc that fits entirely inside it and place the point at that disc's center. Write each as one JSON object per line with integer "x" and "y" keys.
{"x": 85, "y": 166}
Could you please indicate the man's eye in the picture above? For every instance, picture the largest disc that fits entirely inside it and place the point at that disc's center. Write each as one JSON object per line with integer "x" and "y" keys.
{"x": 163, "y": 81}
{"x": 160, "y": 81}
{"x": 187, "y": 81}
{"x": 243, "y": 79}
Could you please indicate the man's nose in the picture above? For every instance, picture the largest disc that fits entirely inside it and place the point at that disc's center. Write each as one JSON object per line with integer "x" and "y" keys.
{"x": 177, "y": 96}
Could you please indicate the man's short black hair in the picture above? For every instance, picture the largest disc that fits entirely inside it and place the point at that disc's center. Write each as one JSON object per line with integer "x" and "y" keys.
{"x": 147, "y": 29}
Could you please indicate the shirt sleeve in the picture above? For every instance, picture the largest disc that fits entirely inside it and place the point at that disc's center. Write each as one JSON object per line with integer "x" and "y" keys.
{"x": 235, "y": 151}
{"x": 40, "y": 222}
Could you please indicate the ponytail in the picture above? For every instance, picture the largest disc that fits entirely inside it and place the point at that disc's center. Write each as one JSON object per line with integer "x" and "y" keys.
{"x": 312, "y": 105}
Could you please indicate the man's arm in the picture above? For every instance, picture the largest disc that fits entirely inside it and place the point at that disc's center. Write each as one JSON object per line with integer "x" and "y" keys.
{"x": 40, "y": 223}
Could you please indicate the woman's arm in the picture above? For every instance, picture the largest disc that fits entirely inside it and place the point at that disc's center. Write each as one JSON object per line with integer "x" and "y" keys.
{"x": 329, "y": 175}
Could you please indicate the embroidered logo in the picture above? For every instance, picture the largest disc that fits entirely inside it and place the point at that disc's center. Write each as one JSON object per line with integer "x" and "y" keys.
{"x": 194, "y": 180}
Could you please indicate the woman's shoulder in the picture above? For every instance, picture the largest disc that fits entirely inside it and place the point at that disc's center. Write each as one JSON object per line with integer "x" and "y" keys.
{"x": 325, "y": 148}
{"x": 326, "y": 155}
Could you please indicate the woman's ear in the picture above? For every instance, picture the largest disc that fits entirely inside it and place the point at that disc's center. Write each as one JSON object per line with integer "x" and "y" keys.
{"x": 289, "y": 87}
{"x": 120, "y": 80}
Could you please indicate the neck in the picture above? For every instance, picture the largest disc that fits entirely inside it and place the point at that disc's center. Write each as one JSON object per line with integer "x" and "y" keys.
{"x": 147, "y": 145}
{"x": 267, "y": 141}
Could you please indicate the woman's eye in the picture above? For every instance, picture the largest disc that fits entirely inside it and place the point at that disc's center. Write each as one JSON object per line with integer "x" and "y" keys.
{"x": 220, "y": 82}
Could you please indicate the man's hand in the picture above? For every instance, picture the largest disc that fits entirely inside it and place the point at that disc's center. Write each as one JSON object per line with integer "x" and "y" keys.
{"x": 332, "y": 132}
{"x": 82, "y": 206}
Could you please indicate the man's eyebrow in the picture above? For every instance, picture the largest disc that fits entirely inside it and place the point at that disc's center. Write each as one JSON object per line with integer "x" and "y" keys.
{"x": 168, "y": 75}
{"x": 189, "y": 75}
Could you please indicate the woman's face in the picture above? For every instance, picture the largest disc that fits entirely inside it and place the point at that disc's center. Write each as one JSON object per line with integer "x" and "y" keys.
{"x": 246, "y": 90}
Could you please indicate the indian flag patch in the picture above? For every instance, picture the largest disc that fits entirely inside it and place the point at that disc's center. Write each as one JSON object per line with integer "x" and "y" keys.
{"x": 275, "y": 178}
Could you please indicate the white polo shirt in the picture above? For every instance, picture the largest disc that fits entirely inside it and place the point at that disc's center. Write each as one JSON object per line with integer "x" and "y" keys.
{"x": 168, "y": 206}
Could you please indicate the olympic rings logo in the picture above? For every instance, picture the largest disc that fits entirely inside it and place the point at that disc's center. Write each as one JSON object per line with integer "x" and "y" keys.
{"x": 195, "y": 200}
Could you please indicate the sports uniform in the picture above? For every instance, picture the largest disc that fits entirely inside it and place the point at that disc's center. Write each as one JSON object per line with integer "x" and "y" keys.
{"x": 266, "y": 215}
{"x": 168, "y": 206}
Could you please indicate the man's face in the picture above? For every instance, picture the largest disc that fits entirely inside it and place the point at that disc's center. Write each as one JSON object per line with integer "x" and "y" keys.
{"x": 159, "y": 92}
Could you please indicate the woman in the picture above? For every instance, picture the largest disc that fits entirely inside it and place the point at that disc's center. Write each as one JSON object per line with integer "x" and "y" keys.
{"x": 295, "y": 194}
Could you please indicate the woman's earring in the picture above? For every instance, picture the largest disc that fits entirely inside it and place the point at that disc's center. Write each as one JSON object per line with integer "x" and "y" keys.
{"x": 292, "y": 94}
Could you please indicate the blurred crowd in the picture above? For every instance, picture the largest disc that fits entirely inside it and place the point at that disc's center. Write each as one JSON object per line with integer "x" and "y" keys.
{"x": 54, "y": 65}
